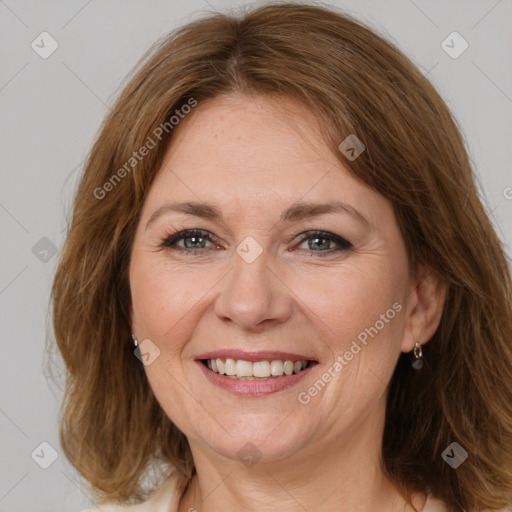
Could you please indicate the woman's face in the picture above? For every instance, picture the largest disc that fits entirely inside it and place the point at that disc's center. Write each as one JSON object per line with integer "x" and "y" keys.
{"x": 251, "y": 287}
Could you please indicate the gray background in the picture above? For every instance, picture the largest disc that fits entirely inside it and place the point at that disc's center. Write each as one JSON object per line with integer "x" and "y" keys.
{"x": 52, "y": 108}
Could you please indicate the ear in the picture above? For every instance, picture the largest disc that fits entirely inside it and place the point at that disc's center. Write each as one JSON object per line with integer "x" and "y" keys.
{"x": 424, "y": 308}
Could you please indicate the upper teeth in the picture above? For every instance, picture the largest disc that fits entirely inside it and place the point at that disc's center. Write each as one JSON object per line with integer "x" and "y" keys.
{"x": 262, "y": 369}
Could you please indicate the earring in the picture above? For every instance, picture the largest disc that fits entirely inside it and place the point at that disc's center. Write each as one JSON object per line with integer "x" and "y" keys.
{"x": 135, "y": 342}
{"x": 417, "y": 364}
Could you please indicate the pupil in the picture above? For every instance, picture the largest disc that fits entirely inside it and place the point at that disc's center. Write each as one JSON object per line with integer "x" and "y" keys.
{"x": 324, "y": 245}
{"x": 189, "y": 244}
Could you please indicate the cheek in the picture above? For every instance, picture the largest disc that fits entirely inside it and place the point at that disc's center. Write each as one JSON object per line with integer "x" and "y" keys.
{"x": 348, "y": 300}
{"x": 163, "y": 297}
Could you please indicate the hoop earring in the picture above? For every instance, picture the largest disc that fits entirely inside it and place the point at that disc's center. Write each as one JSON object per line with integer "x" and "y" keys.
{"x": 417, "y": 364}
{"x": 135, "y": 342}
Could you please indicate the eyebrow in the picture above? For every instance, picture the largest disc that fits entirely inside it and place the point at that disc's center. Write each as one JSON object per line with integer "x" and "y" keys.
{"x": 296, "y": 212}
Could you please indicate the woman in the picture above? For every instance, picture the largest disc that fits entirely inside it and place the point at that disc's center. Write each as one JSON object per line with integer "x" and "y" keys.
{"x": 280, "y": 215}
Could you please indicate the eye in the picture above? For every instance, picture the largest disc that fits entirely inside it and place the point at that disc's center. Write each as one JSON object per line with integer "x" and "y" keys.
{"x": 195, "y": 241}
{"x": 193, "y": 238}
{"x": 320, "y": 240}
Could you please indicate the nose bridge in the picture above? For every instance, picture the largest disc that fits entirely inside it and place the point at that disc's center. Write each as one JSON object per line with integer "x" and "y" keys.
{"x": 249, "y": 281}
{"x": 251, "y": 292}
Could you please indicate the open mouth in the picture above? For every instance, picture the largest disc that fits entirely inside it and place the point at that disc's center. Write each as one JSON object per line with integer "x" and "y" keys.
{"x": 239, "y": 369}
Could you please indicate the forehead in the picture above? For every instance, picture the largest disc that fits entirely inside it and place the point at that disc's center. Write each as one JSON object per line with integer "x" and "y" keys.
{"x": 254, "y": 154}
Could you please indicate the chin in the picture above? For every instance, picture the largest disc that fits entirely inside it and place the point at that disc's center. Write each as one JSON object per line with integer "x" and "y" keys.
{"x": 257, "y": 438}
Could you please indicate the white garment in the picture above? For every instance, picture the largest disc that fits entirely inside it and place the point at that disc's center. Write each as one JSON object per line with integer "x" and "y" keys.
{"x": 167, "y": 499}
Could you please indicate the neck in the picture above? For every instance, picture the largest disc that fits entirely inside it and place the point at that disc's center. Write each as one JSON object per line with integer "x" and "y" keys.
{"x": 344, "y": 476}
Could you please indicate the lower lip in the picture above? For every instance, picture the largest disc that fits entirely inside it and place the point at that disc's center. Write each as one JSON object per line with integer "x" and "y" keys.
{"x": 253, "y": 387}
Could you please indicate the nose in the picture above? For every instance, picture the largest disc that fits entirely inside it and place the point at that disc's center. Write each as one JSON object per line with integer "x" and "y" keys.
{"x": 253, "y": 295}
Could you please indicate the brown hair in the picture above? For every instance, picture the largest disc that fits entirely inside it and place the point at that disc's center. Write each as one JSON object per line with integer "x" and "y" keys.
{"x": 112, "y": 427}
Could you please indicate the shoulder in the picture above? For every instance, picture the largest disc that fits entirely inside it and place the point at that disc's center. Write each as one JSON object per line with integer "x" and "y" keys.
{"x": 436, "y": 505}
{"x": 167, "y": 497}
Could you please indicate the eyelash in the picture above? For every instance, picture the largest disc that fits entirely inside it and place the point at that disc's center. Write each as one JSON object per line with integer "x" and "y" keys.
{"x": 171, "y": 240}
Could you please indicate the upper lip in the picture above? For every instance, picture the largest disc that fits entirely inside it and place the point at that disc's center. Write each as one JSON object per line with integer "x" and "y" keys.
{"x": 262, "y": 355}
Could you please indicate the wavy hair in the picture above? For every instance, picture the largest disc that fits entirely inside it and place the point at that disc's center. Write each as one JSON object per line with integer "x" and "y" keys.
{"x": 113, "y": 430}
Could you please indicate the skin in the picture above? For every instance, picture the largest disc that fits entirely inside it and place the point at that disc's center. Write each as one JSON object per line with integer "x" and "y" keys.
{"x": 254, "y": 157}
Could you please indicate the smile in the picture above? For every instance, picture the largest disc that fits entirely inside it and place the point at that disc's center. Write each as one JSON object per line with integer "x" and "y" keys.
{"x": 254, "y": 373}
{"x": 241, "y": 369}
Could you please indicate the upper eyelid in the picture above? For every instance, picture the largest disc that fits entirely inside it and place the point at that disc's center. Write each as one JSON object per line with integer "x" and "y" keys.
{"x": 186, "y": 233}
